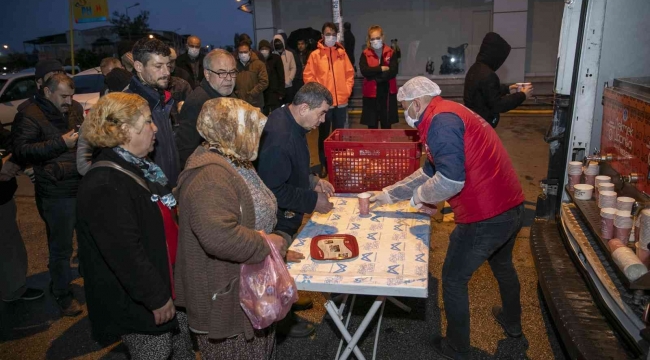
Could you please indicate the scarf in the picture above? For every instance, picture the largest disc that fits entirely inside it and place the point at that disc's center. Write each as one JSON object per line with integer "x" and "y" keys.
{"x": 153, "y": 173}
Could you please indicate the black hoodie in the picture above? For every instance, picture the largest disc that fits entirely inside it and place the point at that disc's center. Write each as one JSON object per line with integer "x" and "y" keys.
{"x": 484, "y": 93}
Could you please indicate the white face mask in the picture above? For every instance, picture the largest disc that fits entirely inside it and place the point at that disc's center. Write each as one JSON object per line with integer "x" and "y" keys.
{"x": 193, "y": 52}
{"x": 409, "y": 120}
{"x": 330, "y": 40}
{"x": 265, "y": 53}
{"x": 244, "y": 57}
{"x": 376, "y": 44}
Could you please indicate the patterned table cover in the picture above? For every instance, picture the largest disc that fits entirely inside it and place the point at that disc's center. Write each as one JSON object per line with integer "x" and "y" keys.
{"x": 393, "y": 251}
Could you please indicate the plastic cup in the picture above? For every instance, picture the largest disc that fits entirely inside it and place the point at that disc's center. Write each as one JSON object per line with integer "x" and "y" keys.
{"x": 583, "y": 191}
{"x": 625, "y": 203}
{"x": 607, "y": 223}
{"x": 364, "y": 203}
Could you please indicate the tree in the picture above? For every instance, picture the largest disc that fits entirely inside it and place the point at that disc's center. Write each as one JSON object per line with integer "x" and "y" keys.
{"x": 131, "y": 29}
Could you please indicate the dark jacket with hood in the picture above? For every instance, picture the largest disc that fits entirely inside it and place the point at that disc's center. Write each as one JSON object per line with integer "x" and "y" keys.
{"x": 274, "y": 94}
{"x": 36, "y": 136}
{"x": 185, "y": 62}
{"x": 122, "y": 249}
{"x": 251, "y": 81}
{"x": 187, "y": 137}
{"x": 161, "y": 103}
{"x": 484, "y": 93}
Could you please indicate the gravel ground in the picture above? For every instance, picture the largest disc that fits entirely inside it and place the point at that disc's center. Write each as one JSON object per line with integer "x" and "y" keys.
{"x": 36, "y": 331}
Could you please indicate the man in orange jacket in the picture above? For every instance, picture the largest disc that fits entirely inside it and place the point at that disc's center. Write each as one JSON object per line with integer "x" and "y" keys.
{"x": 330, "y": 66}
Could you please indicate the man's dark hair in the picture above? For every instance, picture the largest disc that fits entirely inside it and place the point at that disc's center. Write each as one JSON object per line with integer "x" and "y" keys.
{"x": 330, "y": 25}
{"x": 145, "y": 47}
{"x": 59, "y": 78}
{"x": 244, "y": 43}
{"x": 347, "y": 26}
{"x": 245, "y": 38}
{"x": 313, "y": 94}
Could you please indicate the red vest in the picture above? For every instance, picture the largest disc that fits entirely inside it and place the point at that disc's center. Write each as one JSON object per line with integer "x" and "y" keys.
{"x": 491, "y": 183}
{"x": 370, "y": 86}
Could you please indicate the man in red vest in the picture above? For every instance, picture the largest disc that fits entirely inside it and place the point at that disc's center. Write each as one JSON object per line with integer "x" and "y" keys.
{"x": 469, "y": 167}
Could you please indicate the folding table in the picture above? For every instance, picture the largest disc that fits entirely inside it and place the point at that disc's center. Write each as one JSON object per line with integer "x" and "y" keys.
{"x": 393, "y": 261}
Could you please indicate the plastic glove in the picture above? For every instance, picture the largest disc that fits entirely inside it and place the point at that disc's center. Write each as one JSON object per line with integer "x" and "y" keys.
{"x": 380, "y": 198}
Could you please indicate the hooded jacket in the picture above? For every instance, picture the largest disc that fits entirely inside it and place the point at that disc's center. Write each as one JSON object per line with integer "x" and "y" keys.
{"x": 331, "y": 67}
{"x": 288, "y": 61}
{"x": 251, "y": 81}
{"x": 483, "y": 92}
{"x": 275, "y": 70}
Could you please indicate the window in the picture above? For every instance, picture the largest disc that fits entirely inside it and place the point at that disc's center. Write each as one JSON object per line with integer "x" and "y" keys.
{"x": 88, "y": 84}
{"x": 20, "y": 89}
{"x": 2, "y": 83}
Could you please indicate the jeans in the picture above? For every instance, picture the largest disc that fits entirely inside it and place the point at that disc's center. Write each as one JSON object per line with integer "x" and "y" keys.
{"x": 13, "y": 255}
{"x": 60, "y": 217}
{"x": 470, "y": 245}
{"x": 334, "y": 119}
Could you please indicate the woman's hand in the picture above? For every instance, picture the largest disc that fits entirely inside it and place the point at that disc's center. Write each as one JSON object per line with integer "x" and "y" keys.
{"x": 165, "y": 314}
{"x": 385, "y": 68}
{"x": 278, "y": 243}
{"x": 294, "y": 256}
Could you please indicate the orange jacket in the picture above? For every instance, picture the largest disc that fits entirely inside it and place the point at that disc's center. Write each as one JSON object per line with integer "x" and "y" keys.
{"x": 331, "y": 68}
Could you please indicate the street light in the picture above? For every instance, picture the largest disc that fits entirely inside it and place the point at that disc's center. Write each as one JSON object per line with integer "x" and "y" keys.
{"x": 150, "y": 36}
{"x": 5, "y": 46}
{"x": 127, "y": 16}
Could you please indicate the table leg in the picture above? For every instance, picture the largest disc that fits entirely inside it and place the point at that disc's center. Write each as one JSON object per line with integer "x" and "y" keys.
{"x": 381, "y": 316}
{"x": 347, "y": 322}
{"x": 331, "y": 309}
{"x": 352, "y": 343}
{"x": 399, "y": 304}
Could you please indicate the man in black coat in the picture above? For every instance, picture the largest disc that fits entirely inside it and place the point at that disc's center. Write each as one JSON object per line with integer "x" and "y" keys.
{"x": 273, "y": 94}
{"x": 484, "y": 93}
{"x": 178, "y": 71}
{"x": 349, "y": 42}
{"x": 192, "y": 61}
{"x": 220, "y": 74}
{"x": 44, "y": 134}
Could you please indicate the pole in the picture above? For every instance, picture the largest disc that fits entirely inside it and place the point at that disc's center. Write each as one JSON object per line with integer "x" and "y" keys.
{"x": 128, "y": 24}
{"x": 71, "y": 35}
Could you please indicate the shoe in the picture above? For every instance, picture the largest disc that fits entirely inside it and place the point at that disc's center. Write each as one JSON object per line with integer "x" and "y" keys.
{"x": 69, "y": 305}
{"x": 442, "y": 348}
{"x": 29, "y": 295}
{"x": 513, "y": 330}
{"x": 295, "y": 327}
{"x": 323, "y": 172}
{"x": 304, "y": 303}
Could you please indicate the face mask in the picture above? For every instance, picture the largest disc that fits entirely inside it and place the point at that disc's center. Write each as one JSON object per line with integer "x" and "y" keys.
{"x": 376, "y": 44}
{"x": 330, "y": 40}
{"x": 193, "y": 52}
{"x": 278, "y": 47}
{"x": 409, "y": 120}
{"x": 265, "y": 53}
{"x": 244, "y": 57}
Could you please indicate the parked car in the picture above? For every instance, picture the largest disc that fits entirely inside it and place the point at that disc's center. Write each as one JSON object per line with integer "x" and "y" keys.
{"x": 14, "y": 90}
{"x": 88, "y": 85}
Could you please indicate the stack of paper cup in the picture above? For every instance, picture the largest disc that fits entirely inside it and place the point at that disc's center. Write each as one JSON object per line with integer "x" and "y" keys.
{"x": 623, "y": 225}
{"x": 644, "y": 255}
{"x": 604, "y": 187}
{"x": 591, "y": 172}
{"x": 607, "y": 223}
{"x": 614, "y": 244}
{"x": 575, "y": 172}
{"x": 606, "y": 199}
{"x": 601, "y": 179}
{"x": 629, "y": 263}
{"x": 644, "y": 228}
{"x": 624, "y": 204}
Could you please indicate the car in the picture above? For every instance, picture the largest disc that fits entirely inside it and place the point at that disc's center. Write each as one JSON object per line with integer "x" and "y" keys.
{"x": 88, "y": 86}
{"x": 14, "y": 90}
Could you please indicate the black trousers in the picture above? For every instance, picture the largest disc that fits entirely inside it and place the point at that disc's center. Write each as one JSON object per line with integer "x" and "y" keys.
{"x": 334, "y": 119}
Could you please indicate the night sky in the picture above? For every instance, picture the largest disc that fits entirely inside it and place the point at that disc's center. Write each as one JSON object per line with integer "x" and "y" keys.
{"x": 214, "y": 21}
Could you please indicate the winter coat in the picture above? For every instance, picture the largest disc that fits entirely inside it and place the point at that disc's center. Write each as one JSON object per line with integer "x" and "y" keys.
{"x": 8, "y": 183}
{"x": 187, "y": 137}
{"x": 379, "y": 87}
{"x": 484, "y": 93}
{"x": 251, "y": 81}
{"x": 36, "y": 134}
{"x": 217, "y": 235}
{"x": 122, "y": 251}
{"x": 161, "y": 103}
{"x": 274, "y": 94}
{"x": 184, "y": 62}
{"x": 288, "y": 61}
{"x": 349, "y": 43}
{"x": 331, "y": 67}
{"x": 183, "y": 74}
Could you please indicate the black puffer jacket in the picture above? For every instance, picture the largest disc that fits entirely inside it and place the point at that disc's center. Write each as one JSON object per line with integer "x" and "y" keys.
{"x": 36, "y": 135}
{"x": 484, "y": 93}
{"x": 273, "y": 94}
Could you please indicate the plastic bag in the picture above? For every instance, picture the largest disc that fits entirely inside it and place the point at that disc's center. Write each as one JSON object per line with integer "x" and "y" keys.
{"x": 266, "y": 290}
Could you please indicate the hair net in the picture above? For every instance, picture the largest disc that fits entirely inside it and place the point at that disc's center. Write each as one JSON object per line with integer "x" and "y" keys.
{"x": 417, "y": 87}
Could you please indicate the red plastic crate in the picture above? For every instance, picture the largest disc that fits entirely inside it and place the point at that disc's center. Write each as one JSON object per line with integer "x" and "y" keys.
{"x": 361, "y": 160}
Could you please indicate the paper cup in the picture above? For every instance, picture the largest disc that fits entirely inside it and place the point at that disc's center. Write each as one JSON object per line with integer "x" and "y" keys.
{"x": 622, "y": 233}
{"x": 607, "y": 223}
{"x": 625, "y": 203}
{"x": 644, "y": 254}
{"x": 606, "y": 199}
{"x": 364, "y": 203}
{"x": 614, "y": 244}
{"x": 575, "y": 168}
{"x": 644, "y": 228}
{"x": 590, "y": 179}
{"x": 583, "y": 191}
{"x": 522, "y": 86}
{"x": 592, "y": 168}
{"x": 573, "y": 181}
{"x": 600, "y": 179}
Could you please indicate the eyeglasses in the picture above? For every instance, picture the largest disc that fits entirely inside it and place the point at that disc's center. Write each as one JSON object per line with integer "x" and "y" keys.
{"x": 223, "y": 74}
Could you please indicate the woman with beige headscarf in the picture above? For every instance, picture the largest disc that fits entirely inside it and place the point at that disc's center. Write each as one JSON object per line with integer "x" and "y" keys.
{"x": 224, "y": 206}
